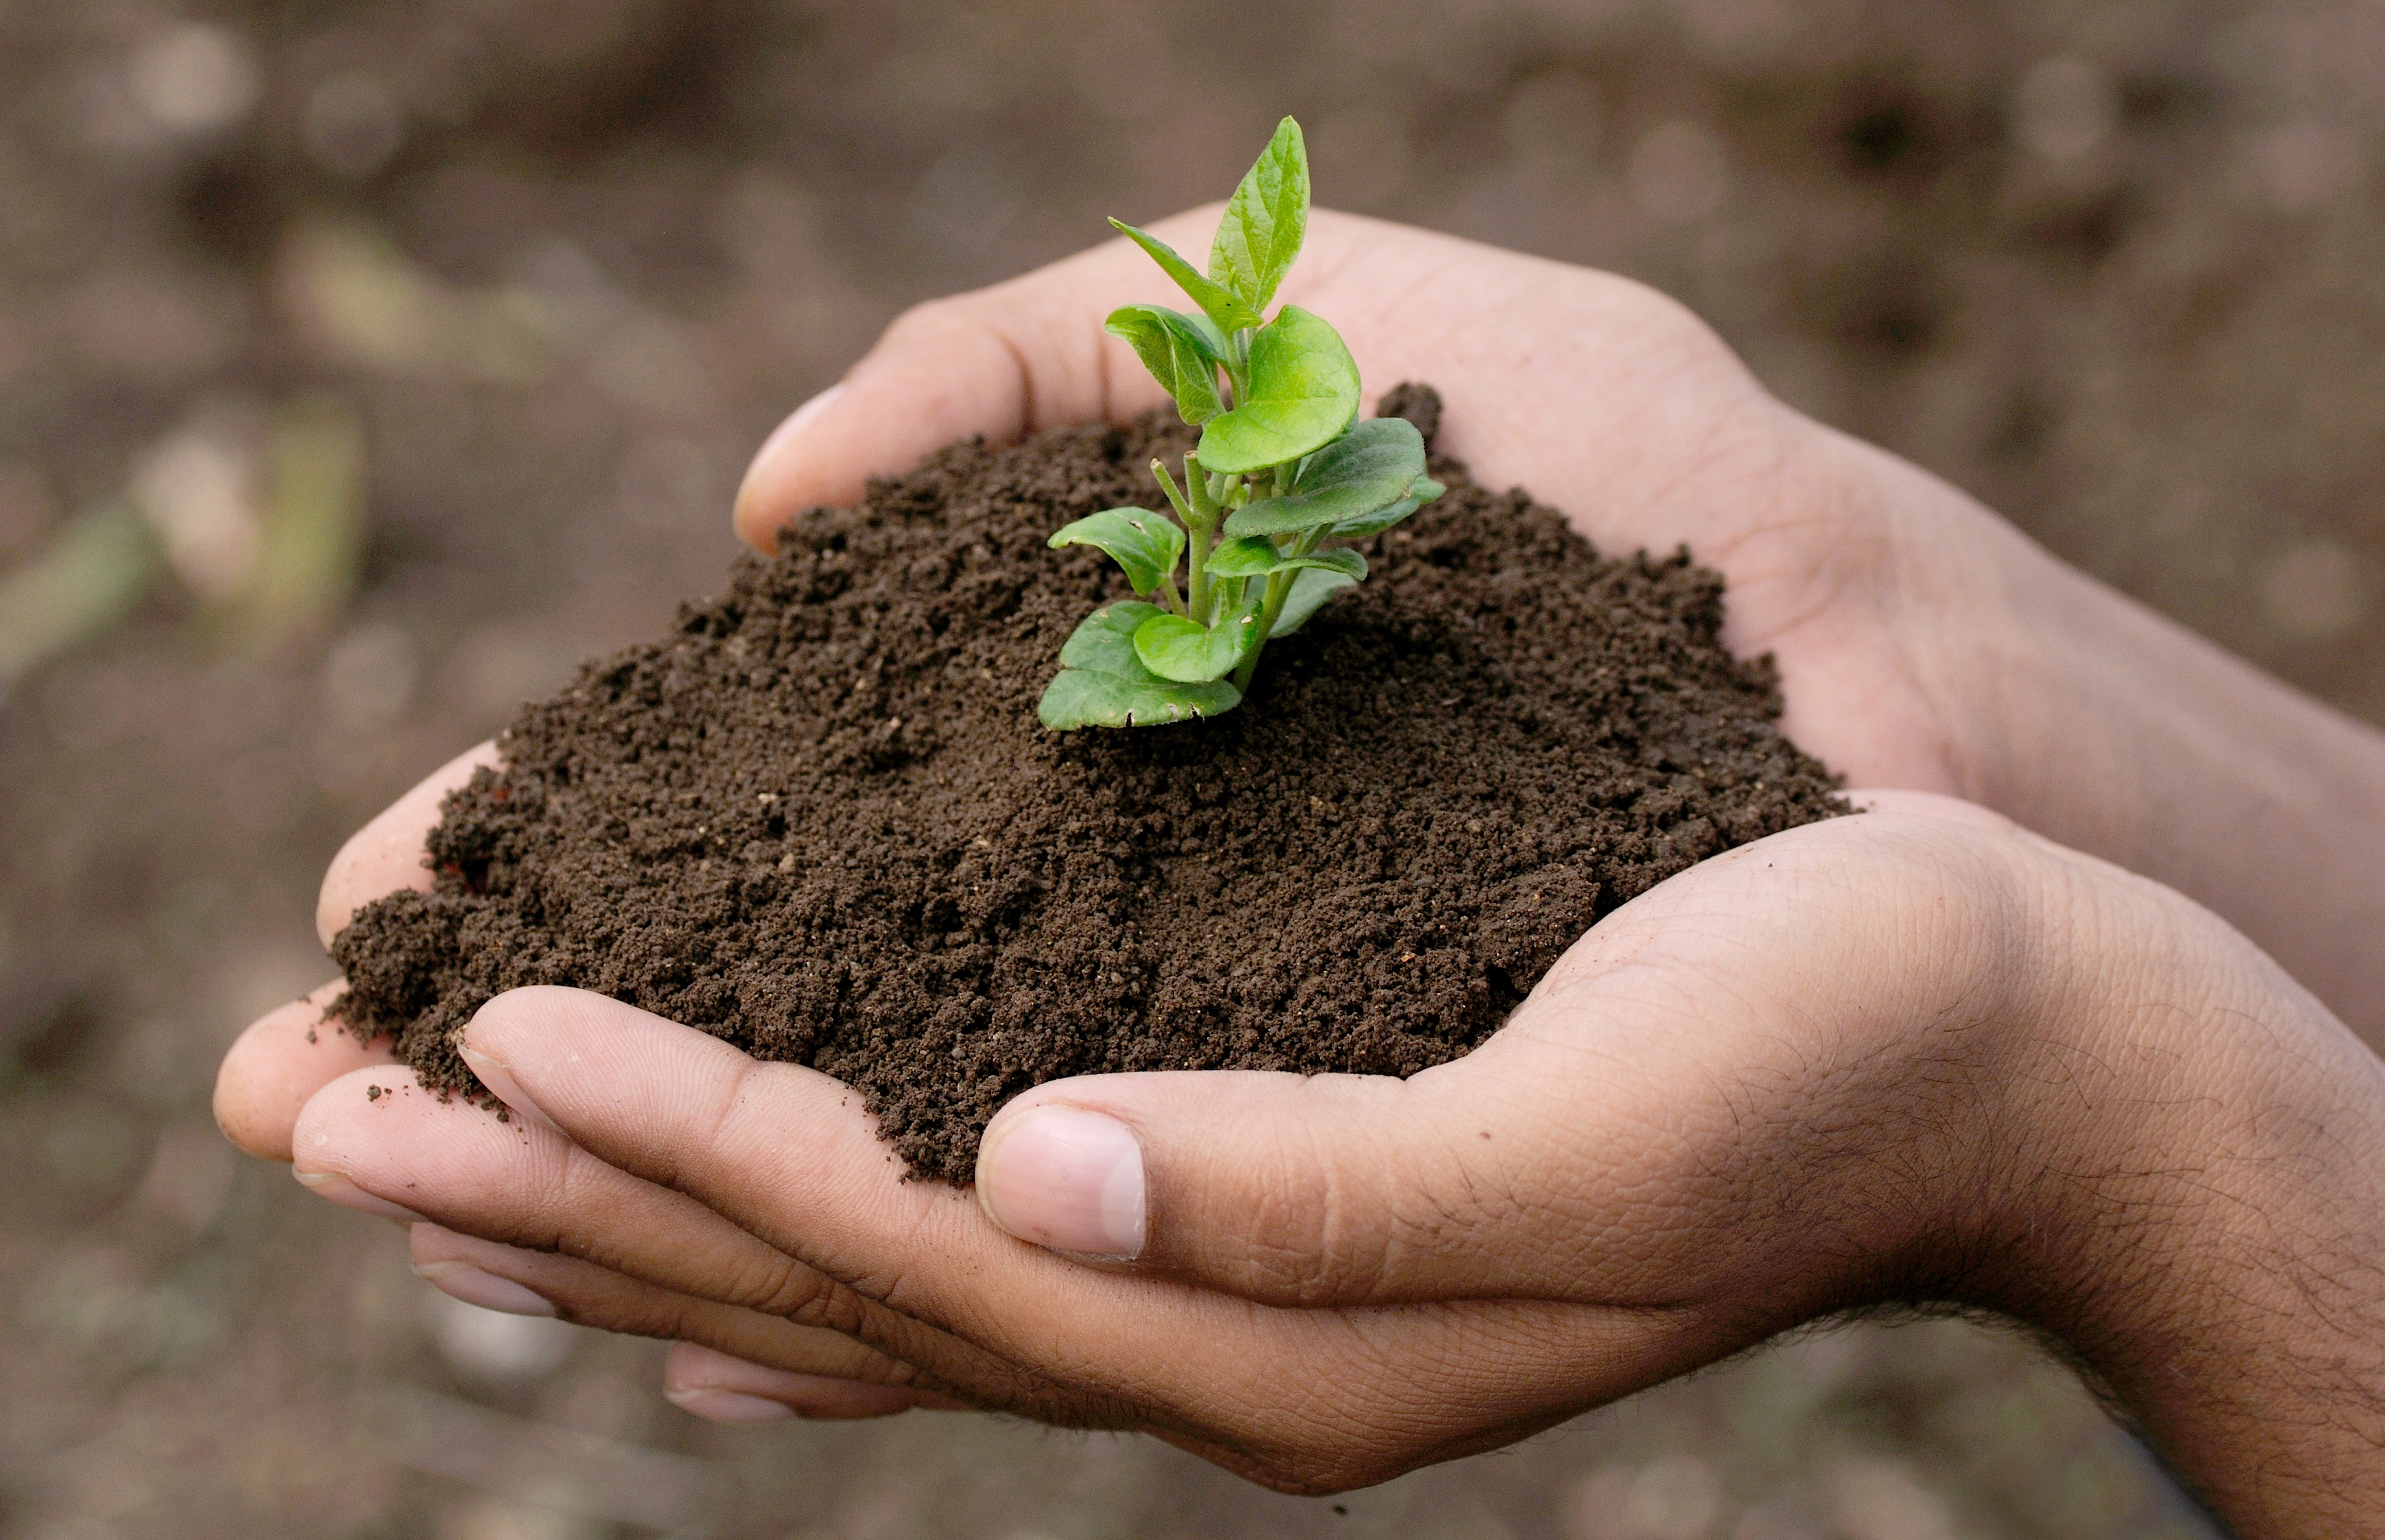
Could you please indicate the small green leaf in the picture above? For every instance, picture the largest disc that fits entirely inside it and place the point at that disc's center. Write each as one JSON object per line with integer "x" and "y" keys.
{"x": 1309, "y": 592}
{"x": 1102, "y": 683}
{"x": 1216, "y": 300}
{"x": 1144, "y": 543}
{"x": 1174, "y": 647}
{"x": 1177, "y": 350}
{"x": 1423, "y": 491}
{"x": 1257, "y": 556}
{"x": 1266, "y": 220}
{"x": 1370, "y": 468}
{"x": 1078, "y": 697}
{"x": 1303, "y": 393}
{"x": 1104, "y": 641}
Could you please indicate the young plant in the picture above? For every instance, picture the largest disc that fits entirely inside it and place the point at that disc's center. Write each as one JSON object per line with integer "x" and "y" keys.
{"x": 1282, "y": 467}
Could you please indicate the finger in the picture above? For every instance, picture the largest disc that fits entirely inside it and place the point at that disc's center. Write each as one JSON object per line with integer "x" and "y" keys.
{"x": 1003, "y": 361}
{"x": 724, "y": 1389}
{"x": 281, "y": 1060}
{"x": 386, "y": 855}
{"x": 379, "y": 1143}
{"x": 1030, "y": 353}
{"x": 518, "y": 1281}
{"x": 789, "y": 1156}
{"x": 286, "y": 1055}
{"x": 1587, "y": 1150}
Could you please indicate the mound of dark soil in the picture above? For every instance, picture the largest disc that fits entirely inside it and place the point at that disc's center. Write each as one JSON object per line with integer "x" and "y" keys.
{"x": 820, "y": 821}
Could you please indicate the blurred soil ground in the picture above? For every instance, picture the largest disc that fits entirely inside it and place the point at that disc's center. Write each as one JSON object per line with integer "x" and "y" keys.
{"x": 363, "y": 365}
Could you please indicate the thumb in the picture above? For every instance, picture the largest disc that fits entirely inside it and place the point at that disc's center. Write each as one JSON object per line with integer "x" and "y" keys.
{"x": 1290, "y": 1190}
{"x": 1019, "y": 356}
{"x": 1753, "y": 1054}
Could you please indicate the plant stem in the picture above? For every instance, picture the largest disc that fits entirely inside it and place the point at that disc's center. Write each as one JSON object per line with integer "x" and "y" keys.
{"x": 1201, "y": 519}
{"x": 1167, "y": 592}
{"x": 1196, "y": 482}
{"x": 1279, "y": 589}
{"x": 1167, "y": 484}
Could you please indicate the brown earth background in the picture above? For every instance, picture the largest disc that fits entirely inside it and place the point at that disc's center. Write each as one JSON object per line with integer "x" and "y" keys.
{"x": 364, "y": 364}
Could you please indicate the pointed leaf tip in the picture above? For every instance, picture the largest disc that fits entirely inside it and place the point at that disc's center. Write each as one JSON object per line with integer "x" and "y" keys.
{"x": 1266, "y": 220}
{"x": 1218, "y": 302}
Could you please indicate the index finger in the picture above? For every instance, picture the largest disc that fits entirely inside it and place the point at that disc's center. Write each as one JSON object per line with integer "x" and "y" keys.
{"x": 1002, "y": 361}
{"x": 385, "y": 855}
{"x": 290, "y": 1053}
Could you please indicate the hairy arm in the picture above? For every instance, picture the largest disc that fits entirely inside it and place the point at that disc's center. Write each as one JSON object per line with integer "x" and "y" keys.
{"x": 2085, "y": 716}
{"x": 2207, "y": 1236}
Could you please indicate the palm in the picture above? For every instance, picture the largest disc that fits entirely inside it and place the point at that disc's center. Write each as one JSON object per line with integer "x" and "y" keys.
{"x": 1614, "y": 403}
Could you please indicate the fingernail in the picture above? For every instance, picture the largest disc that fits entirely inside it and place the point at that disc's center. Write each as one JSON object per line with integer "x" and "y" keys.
{"x": 727, "y": 1405}
{"x": 807, "y": 411}
{"x": 463, "y": 1281}
{"x": 498, "y": 1076}
{"x": 1065, "y": 1178}
{"x": 786, "y": 433}
{"x": 337, "y": 1188}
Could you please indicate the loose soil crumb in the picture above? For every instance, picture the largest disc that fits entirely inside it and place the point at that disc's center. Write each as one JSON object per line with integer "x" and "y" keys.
{"x": 819, "y": 820}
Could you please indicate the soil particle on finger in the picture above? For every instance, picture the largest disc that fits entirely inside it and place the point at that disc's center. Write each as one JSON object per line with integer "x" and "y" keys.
{"x": 819, "y": 820}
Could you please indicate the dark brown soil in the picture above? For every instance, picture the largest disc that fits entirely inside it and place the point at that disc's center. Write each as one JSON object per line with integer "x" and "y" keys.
{"x": 819, "y": 820}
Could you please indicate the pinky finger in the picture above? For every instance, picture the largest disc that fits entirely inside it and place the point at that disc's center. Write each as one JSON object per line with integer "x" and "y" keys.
{"x": 713, "y": 1386}
{"x": 798, "y": 1371}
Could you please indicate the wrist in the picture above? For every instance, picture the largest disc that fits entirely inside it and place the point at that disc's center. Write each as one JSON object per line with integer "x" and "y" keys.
{"x": 2194, "y": 1207}
{"x": 2079, "y": 713}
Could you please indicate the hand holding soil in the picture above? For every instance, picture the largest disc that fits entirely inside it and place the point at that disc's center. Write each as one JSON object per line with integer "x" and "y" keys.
{"x": 1865, "y": 1062}
{"x": 1809, "y": 1075}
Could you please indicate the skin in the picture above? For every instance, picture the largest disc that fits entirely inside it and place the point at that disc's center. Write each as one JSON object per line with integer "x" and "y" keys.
{"x": 2030, "y": 1081}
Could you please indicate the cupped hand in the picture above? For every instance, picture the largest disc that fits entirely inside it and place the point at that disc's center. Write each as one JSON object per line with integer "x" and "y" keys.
{"x": 1913, "y": 1055}
{"x": 1602, "y": 396}
{"x": 1332, "y": 1284}
{"x": 1599, "y": 394}
{"x": 1923, "y": 642}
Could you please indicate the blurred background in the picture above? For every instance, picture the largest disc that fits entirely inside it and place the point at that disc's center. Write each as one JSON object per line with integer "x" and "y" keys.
{"x": 363, "y": 365}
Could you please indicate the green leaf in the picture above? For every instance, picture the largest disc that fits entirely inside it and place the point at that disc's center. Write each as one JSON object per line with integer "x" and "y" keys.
{"x": 1304, "y": 392}
{"x": 1174, "y": 647}
{"x": 1104, "y": 641}
{"x": 1257, "y": 557}
{"x": 1102, "y": 683}
{"x": 1423, "y": 491}
{"x": 1216, "y": 300}
{"x": 1266, "y": 220}
{"x": 1309, "y": 592}
{"x": 1079, "y": 697}
{"x": 1369, "y": 469}
{"x": 1178, "y": 352}
{"x": 1144, "y": 542}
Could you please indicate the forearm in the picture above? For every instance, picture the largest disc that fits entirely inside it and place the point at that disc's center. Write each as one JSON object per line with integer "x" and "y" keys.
{"x": 2114, "y": 731}
{"x": 2207, "y": 1226}
{"x": 2215, "y": 779}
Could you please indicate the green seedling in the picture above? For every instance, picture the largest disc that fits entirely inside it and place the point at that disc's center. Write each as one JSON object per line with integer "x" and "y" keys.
{"x": 1282, "y": 467}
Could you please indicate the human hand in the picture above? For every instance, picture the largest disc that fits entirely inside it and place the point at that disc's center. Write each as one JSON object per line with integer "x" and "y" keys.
{"x": 1912, "y": 1056}
{"x": 1601, "y": 396}
{"x": 965, "y": 364}
{"x": 1922, "y": 642}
